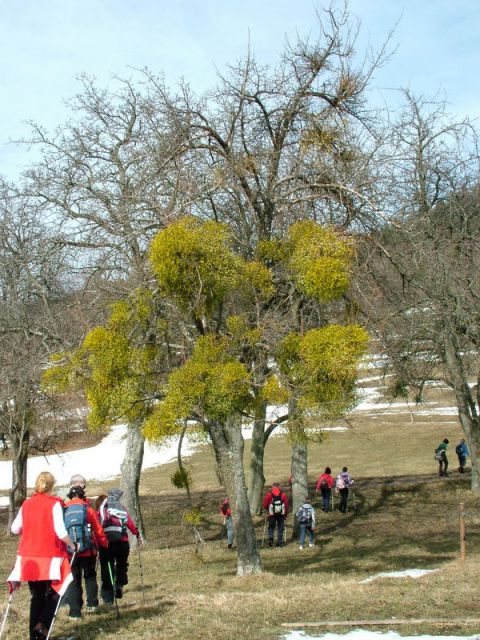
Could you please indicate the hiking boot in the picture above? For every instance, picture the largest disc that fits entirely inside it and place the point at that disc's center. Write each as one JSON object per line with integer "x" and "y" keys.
{"x": 270, "y": 542}
{"x": 230, "y": 546}
{"x": 118, "y": 592}
{"x": 40, "y": 631}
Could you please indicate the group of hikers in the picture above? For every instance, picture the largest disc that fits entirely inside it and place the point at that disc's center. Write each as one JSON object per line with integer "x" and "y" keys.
{"x": 61, "y": 540}
{"x": 275, "y": 505}
{"x": 440, "y": 455}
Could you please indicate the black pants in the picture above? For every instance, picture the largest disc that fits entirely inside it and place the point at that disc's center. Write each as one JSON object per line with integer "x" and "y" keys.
{"x": 114, "y": 559}
{"x": 43, "y": 603}
{"x": 443, "y": 466}
{"x": 277, "y": 520}
{"x": 86, "y": 565}
{"x": 343, "y": 499}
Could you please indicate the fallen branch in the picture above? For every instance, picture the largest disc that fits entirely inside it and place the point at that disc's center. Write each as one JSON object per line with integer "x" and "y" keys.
{"x": 383, "y": 623}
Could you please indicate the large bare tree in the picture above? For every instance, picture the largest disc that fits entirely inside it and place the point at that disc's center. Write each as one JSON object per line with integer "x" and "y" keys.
{"x": 421, "y": 291}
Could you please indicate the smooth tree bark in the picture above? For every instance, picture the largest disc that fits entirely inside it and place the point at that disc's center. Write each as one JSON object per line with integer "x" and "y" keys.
{"x": 130, "y": 474}
{"x": 228, "y": 443}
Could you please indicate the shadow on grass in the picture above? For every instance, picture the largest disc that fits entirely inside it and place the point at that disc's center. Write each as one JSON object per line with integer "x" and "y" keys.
{"x": 90, "y": 627}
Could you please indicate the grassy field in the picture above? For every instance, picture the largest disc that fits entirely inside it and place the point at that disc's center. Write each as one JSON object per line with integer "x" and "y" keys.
{"x": 405, "y": 517}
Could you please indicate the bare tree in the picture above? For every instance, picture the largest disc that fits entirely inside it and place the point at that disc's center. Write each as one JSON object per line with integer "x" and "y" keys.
{"x": 32, "y": 323}
{"x": 105, "y": 178}
{"x": 421, "y": 291}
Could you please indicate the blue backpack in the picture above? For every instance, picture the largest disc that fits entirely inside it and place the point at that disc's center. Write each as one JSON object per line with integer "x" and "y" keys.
{"x": 75, "y": 517}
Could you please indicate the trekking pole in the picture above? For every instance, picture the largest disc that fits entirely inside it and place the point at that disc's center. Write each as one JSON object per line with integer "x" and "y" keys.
{"x": 141, "y": 571}
{"x": 354, "y": 502}
{"x": 114, "y": 590}
{"x": 9, "y": 602}
{"x": 59, "y": 601}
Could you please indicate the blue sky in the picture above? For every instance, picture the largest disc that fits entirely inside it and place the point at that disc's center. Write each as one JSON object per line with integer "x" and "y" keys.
{"x": 45, "y": 44}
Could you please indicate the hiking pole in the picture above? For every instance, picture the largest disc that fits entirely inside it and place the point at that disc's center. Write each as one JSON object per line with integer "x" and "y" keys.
{"x": 114, "y": 589}
{"x": 9, "y": 602}
{"x": 141, "y": 571}
{"x": 60, "y": 599}
{"x": 354, "y": 502}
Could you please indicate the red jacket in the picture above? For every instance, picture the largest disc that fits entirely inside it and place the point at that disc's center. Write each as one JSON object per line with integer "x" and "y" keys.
{"x": 225, "y": 509}
{"x": 276, "y": 491}
{"x": 98, "y": 535}
{"x": 38, "y": 533}
{"x": 328, "y": 478}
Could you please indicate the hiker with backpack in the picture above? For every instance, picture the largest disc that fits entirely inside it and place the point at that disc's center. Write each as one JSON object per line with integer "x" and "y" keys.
{"x": 306, "y": 520}
{"x": 441, "y": 457}
{"x": 462, "y": 452}
{"x": 116, "y": 523}
{"x": 275, "y": 504}
{"x": 325, "y": 485}
{"x": 83, "y": 527}
{"x": 42, "y": 558}
{"x": 342, "y": 485}
{"x": 227, "y": 521}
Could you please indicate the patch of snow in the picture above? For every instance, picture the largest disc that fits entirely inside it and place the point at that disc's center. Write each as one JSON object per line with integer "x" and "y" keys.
{"x": 408, "y": 573}
{"x": 100, "y": 462}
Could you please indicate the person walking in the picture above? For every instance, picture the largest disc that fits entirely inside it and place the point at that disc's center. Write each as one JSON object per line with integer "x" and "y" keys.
{"x": 116, "y": 523}
{"x": 306, "y": 520}
{"x": 324, "y": 486}
{"x": 441, "y": 457}
{"x": 275, "y": 504}
{"x": 342, "y": 485}
{"x": 227, "y": 521}
{"x": 42, "y": 558}
{"x": 462, "y": 452}
{"x": 83, "y": 525}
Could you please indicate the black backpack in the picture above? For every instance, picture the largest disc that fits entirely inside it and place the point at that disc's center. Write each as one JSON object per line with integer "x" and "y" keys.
{"x": 75, "y": 516}
{"x": 324, "y": 484}
{"x": 277, "y": 506}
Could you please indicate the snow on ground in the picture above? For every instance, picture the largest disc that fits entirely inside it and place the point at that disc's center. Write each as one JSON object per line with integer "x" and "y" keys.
{"x": 408, "y": 573}
{"x": 362, "y": 634}
{"x": 100, "y": 462}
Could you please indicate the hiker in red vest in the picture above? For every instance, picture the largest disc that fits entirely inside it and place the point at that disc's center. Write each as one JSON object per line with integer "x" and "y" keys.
{"x": 42, "y": 558}
{"x": 92, "y": 536}
{"x": 275, "y": 504}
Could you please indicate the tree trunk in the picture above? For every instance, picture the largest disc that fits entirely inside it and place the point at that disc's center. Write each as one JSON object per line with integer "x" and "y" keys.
{"x": 131, "y": 471}
{"x": 19, "y": 440}
{"x": 467, "y": 408}
{"x": 299, "y": 468}
{"x": 256, "y": 478}
{"x": 228, "y": 443}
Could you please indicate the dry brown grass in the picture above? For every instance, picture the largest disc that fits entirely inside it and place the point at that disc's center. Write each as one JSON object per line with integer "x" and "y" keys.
{"x": 410, "y": 523}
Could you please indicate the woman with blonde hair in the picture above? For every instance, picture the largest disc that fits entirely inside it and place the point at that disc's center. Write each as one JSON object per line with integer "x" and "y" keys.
{"x": 42, "y": 558}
